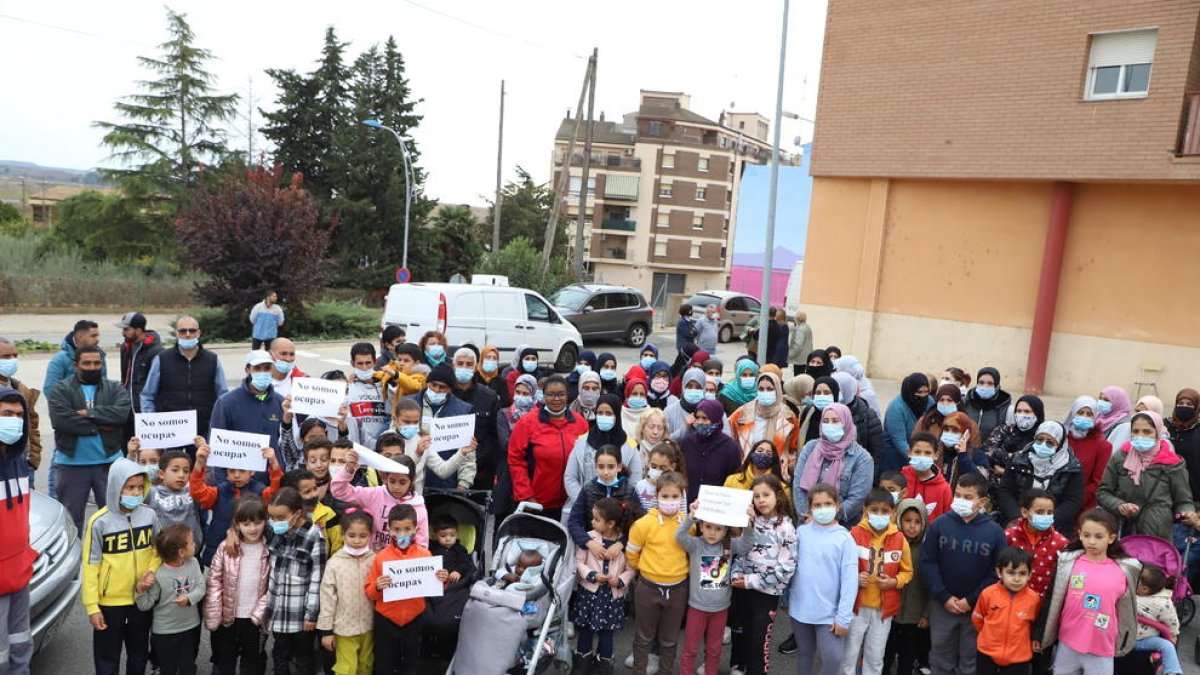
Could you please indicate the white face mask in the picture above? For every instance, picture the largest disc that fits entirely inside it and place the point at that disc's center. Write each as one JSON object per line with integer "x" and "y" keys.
{"x": 963, "y": 507}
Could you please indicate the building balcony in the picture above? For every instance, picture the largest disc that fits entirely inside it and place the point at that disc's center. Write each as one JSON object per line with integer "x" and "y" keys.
{"x": 1190, "y": 144}
{"x": 602, "y": 161}
{"x": 618, "y": 224}
{"x": 611, "y": 253}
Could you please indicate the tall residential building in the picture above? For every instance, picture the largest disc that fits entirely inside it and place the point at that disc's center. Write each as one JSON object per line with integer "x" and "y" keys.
{"x": 662, "y": 194}
{"x": 1011, "y": 184}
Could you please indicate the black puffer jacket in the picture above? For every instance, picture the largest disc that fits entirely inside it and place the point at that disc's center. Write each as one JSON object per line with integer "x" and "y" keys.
{"x": 987, "y": 413}
{"x": 1066, "y": 485}
{"x": 869, "y": 428}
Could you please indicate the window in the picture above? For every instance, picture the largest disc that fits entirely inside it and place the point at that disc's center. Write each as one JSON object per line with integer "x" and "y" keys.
{"x": 701, "y": 193}
{"x": 576, "y": 181}
{"x": 664, "y": 191}
{"x": 703, "y": 164}
{"x": 668, "y": 160}
{"x": 664, "y": 218}
{"x": 697, "y": 222}
{"x": 598, "y": 302}
{"x": 695, "y": 249}
{"x": 752, "y": 305}
{"x": 1120, "y": 64}
{"x": 660, "y": 247}
{"x": 722, "y": 142}
{"x": 537, "y": 310}
{"x": 737, "y": 304}
{"x": 654, "y": 129}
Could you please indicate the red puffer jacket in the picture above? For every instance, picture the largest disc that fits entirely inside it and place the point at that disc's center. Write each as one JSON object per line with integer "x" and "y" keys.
{"x": 220, "y": 601}
{"x": 537, "y": 456}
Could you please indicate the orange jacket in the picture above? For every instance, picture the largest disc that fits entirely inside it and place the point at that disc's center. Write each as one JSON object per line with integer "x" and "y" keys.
{"x": 400, "y": 612}
{"x": 1004, "y": 621}
{"x": 885, "y": 553}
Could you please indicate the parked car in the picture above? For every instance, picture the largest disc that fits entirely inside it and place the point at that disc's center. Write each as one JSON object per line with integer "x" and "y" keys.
{"x": 54, "y": 588}
{"x": 501, "y": 316}
{"x": 736, "y": 310}
{"x": 606, "y": 312}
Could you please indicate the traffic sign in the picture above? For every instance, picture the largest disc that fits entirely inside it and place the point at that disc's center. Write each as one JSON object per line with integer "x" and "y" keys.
{"x": 403, "y": 276}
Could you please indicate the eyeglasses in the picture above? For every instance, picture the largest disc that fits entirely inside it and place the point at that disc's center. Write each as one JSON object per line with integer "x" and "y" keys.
{"x": 187, "y": 331}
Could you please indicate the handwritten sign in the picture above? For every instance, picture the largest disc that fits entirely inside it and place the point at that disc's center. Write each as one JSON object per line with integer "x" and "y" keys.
{"x": 368, "y": 457}
{"x": 414, "y": 578}
{"x": 317, "y": 397}
{"x": 451, "y": 433}
{"x": 165, "y": 430}
{"x": 237, "y": 450}
{"x": 724, "y": 506}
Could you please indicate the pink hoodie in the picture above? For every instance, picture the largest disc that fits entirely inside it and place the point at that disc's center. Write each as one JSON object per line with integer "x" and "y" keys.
{"x": 378, "y": 502}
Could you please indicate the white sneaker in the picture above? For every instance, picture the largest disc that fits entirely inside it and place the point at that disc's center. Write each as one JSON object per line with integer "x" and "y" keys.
{"x": 700, "y": 669}
{"x": 652, "y": 664}
{"x": 736, "y": 671}
{"x": 629, "y": 661}
{"x": 726, "y": 636}
{"x": 571, "y": 631}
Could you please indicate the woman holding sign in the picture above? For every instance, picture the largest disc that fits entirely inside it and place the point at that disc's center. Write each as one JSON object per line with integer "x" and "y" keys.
{"x": 539, "y": 447}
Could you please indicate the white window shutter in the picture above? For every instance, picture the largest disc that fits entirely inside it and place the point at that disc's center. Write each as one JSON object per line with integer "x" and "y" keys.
{"x": 1123, "y": 48}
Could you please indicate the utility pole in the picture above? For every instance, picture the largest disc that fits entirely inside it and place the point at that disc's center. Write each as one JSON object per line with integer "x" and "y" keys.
{"x": 564, "y": 178}
{"x": 764, "y": 316}
{"x": 499, "y": 173}
{"x": 250, "y": 121}
{"x": 587, "y": 165}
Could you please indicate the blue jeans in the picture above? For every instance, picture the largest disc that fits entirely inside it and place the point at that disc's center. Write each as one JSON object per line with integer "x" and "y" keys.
{"x": 604, "y": 648}
{"x": 1165, "y": 648}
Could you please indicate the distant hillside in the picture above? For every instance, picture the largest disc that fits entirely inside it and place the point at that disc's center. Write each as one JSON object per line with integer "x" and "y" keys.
{"x": 48, "y": 174}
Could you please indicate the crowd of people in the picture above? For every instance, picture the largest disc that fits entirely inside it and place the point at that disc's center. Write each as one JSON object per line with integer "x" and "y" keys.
{"x": 957, "y": 529}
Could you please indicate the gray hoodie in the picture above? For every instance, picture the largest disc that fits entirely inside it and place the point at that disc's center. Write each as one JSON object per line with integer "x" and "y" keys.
{"x": 177, "y": 507}
{"x": 710, "y": 566}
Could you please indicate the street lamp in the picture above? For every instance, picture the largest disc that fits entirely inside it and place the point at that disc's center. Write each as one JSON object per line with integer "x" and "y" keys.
{"x": 408, "y": 178}
{"x": 769, "y": 254}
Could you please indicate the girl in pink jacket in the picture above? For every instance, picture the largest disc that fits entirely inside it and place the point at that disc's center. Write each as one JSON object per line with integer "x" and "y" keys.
{"x": 397, "y": 489}
{"x": 236, "y": 599}
{"x": 598, "y": 605}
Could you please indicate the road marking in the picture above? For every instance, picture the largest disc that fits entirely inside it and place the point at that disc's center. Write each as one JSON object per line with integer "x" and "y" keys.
{"x": 307, "y": 355}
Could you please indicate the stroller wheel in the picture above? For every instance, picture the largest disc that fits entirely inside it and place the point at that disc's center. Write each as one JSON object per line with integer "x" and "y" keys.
{"x": 1186, "y": 608}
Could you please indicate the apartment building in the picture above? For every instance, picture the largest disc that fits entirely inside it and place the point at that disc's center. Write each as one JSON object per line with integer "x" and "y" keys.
{"x": 1011, "y": 184}
{"x": 661, "y": 193}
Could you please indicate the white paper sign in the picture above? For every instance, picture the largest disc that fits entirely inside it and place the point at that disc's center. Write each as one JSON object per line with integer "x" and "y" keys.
{"x": 237, "y": 450}
{"x": 156, "y": 431}
{"x": 317, "y": 397}
{"x": 368, "y": 457}
{"x": 416, "y": 578}
{"x": 724, "y": 506}
{"x": 451, "y": 433}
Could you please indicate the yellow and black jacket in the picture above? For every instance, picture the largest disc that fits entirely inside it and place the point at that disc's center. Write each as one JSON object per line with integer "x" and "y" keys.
{"x": 118, "y": 545}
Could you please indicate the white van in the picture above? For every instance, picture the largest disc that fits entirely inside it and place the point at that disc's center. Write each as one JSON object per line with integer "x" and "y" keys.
{"x": 500, "y": 316}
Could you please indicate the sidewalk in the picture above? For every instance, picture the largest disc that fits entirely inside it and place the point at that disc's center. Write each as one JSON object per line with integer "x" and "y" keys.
{"x": 52, "y": 327}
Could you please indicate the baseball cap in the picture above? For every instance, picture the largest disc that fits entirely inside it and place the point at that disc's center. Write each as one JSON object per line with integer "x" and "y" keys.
{"x": 132, "y": 320}
{"x": 258, "y": 357}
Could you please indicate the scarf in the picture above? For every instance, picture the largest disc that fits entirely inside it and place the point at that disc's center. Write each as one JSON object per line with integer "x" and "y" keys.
{"x": 1044, "y": 469}
{"x": 689, "y": 376}
{"x": 733, "y": 389}
{"x": 908, "y": 393}
{"x": 487, "y": 351}
{"x": 515, "y": 412}
{"x": 1190, "y": 395}
{"x": 616, "y": 436}
{"x": 826, "y": 451}
{"x": 770, "y": 414}
{"x": 1080, "y": 403}
{"x": 1137, "y": 462}
{"x": 1121, "y": 408}
{"x": 847, "y": 387}
{"x": 654, "y": 398}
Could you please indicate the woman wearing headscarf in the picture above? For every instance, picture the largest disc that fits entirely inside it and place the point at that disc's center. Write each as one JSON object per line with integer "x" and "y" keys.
{"x": 685, "y": 356}
{"x": 766, "y": 418}
{"x": 487, "y": 373}
{"x": 961, "y": 449}
{"x": 866, "y": 421}
{"x": 525, "y": 362}
{"x": 1045, "y": 463}
{"x": 835, "y": 458}
{"x": 659, "y": 394}
{"x": 649, "y": 354}
{"x": 1112, "y": 408}
{"x": 1007, "y": 439}
{"x": 742, "y": 388}
{"x": 1145, "y": 483}
{"x": 826, "y": 390}
{"x": 1184, "y": 433}
{"x": 584, "y": 363}
{"x": 1089, "y": 446}
{"x": 833, "y": 352}
{"x": 606, "y": 367}
{"x": 797, "y": 396}
{"x": 680, "y": 413}
{"x": 714, "y": 367}
{"x": 866, "y": 390}
{"x": 636, "y": 402}
{"x": 818, "y": 364}
{"x": 708, "y": 453}
{"x": 900, "y": 420}
{"x": 589, "y": 395}
{"x": 986, "y": 402}
{"x": 947, "y": 401}
{"x": 696, "y": 360}
{"x": 1119, "y": 435}
{"x": 604, "y": 429}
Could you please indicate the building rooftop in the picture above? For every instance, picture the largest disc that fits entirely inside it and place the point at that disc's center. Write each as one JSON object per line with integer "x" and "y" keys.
{"x": 602, "y": 132}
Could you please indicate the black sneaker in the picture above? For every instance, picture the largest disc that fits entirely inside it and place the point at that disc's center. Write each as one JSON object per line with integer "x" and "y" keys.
{"x": 788, "y": 646}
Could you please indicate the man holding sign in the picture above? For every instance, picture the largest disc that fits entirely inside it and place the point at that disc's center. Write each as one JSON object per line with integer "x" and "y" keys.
{"x": 397, "y": 626}
{"x": 437, "y": 404}
{"x": 254, "y": 407}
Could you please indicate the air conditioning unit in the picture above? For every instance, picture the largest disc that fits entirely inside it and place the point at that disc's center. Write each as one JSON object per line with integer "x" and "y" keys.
{"x": 628, "y": 151}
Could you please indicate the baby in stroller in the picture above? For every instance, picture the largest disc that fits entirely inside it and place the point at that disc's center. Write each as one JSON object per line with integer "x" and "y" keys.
{"x": 525, "y": 575}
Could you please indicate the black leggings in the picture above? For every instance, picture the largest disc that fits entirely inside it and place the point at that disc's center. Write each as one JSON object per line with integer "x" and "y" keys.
{"x": 751, "y": 618}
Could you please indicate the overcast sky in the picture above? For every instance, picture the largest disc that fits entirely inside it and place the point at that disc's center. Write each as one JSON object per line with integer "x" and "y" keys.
{"x": 66, "y": 62}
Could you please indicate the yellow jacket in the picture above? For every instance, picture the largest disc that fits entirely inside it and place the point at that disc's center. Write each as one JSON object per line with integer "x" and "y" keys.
{"x": 743, "y": 481}
{"x": 118, "y": 545}
{"x": 327, "y": 519}
{"x": 653, "y": 550}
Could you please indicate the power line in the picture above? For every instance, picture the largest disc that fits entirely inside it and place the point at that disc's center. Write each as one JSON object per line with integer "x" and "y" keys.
{"x": 76, "y": 31}
{"x": 493, "y": 31}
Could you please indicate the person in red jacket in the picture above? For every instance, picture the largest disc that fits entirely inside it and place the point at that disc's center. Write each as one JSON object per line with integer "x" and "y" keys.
{"x": 1089, "y": 445}
{"x": 16, "y": 555}
{"x": 925, "y": 481}
{"x": 1034, "y": 533}
{"x": 539, "y": 447}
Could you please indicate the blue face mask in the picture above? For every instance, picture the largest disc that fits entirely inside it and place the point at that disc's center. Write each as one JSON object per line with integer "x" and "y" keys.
{"x": 463, "y": 375}
{"x": 921, "y": 463}
{"x": 402, "y": 541}
{"x": 540, "y": 396}
{"x": 878, "y": 522}
{"x": 1104, "y": 406}
{"x": 693, "y": 396}
{"x": 605, "y": 422}
{"x": 280, "y": 526}
{"x": 434, "y": 397}
{"x": 710, "y": 396}
{"x": 188, "y": 343}
{"x": 582, "y": 368}
{"x": 706, "y": 429}
{"x": 824, "y": 515}
{"x": 1082, "y": 423}
{"x": 529, "y": 366}
{"x": 435, "y": 352}
{"x": 608, "y": 374}
{"x": 746, "y": 382}
{"x": 832, "y": 432}
{"x": 767, "y": 398}
{"x": 490, "y": 366}
{"x": 637, "y": 402}
{"x": 130, "y": 503}
{"x": 985, "y": 392}
{"x": 523, "y": 402}
{"x": 646, "y": 362}
{"x": 1041, "y": 523}
{"x": 950, "y": 439}
{"x": 11, "y": 429}
{"x": 947, "y": 409}
{"x": 284, "y": 367}
{"x": 1043, "y": 450}
{"x": 8, "y": 367}
{"x": 821, "y": 400}
{"x": 260, "y": 381}
{"x": 1143, "y": 443}
{"x": 409, "y": 430}
{"x": 610, "y": 483}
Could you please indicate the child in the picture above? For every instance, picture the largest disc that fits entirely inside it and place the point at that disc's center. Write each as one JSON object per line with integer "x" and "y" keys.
{"x": 393, "y": 444}
{"x": 397, "y": 489}
{"x": 895, "y": 483}
{"x": 316, "y": 459}
{"x": 957, "y": 563}
{"x": 148, "y": 457}
{"x": 598, "y": 605}
{"x": 762, "y": 575}
{"x": 524, "y": 575}
{"x": 170, "y": 497}
{"x": 337, "y": 462}
{"x": 1158, "y": 622}
{"x": 908, "y": 641}
{"x": 1034, "y": 532}
{"x": 118, "y": 548}
{"x": 1092, "y": 609}
{"x": 297, "y": 561}
{"x": 821, "y": 605}
{"x": 445, "y": 613}
{"x": 455, "y": 558}
{"x": 405, "y": 375}
{"x": 236, "y": 601}
{"x": 397, "y": 624}
{"x": 174, "y": 592}
{"x": 304, "y": 482}
{"x": 664, "y": 457}
{"x": 923, "y": 477}
{"x": 220, "y": 498}
{"x": 884, "y": 568}
{"x": 345, "y": 619}
{"x": 709, "y": 591}
{"x": 612, "y": 480}
{"x": 660, "y": 599}
{"x": 1004, "y": 617}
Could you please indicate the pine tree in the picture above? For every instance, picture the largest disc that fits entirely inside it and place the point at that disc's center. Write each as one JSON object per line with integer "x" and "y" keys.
{"x": 525, "y": 208}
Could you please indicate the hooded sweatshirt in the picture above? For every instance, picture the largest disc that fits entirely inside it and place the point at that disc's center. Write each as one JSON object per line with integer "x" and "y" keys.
{"x": 959, "y": 557}
{"x": 118, "y": 545}
{"x": 934, "y": 491}
{"x": 16, "y": 555}
{"x": 177, "y": 506}
{"x": 914, "y": 597}
{"x": 378, "y": 502}
{"x": 880, "y": 554}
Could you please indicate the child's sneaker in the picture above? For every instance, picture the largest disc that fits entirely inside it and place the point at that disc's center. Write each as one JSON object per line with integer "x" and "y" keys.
{"x": 602, "y": 666}
{"x": 652, "y": 664}
{"x": 789, "y": 647}
{"x": 629, "y": 661}
{"x": 581, "y": 664}
{"x": 726, "y": 636}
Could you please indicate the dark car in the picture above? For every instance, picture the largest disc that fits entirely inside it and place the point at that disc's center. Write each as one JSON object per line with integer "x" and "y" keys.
{"x": 606, "y": 312}
{"x": 54, "y": 588}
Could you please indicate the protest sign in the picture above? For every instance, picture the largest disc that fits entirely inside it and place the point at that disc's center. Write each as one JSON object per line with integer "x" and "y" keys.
{"x": 368, "y": 457}
{"x": 156, "y": 431}
{"x": 724, "y": 506}
{"x": 451, "y": 433}
{"x": 413, "y": 578}
{"x": 317, "y": 397}
{"x": 237, "y": 450}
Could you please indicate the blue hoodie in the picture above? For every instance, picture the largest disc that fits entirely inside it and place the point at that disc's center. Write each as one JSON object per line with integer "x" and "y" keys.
{"x": 958, "y": 558}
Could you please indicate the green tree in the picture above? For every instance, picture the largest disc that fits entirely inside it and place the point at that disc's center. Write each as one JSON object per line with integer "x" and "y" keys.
{"x": 449, "y": 243}
{"x": 524, "y": 210}
{"x": 102, "y": 226}
{"x": 9, "y": 213}
{"x": 521, "y": 262}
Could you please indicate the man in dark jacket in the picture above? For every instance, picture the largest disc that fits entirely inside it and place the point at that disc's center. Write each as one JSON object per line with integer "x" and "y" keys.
{"x": 16, "y": 555}
{"x": 188, "y": 377}
{"x": 253, "y": 408}
{"x": 137, "y": 353}
{"x": 486, "y": 405}
{"x": 8, "y": 368}
{"x": 88, "y": 414}
{"x": 62, "y": 367}
{"x": 435, "y": 401}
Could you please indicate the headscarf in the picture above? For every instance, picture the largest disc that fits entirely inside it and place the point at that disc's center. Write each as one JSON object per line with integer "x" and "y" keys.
{"x": 715, "y": 413}
{"x": 1080, "y": 403}
{"x": 1044, "y": 469}
{"x": 613, "y": 387}
{"x": 818, "y": 372}
{"x": 771, "y": 368}
{"x": 696, "y": 358}
{"x": 577, "y": 405}
{"x": 1121, "y": 408}
{"x": 832, "y": 348}
{"x": 908, "y": 393}
{"x": 1039, "y": 409}
{"x": 1188, "y": 395}
{"x": 617, "y": 435}
{"x": 797, "y": 388}
{"x": 573, "y": 377}
{"x": 683, "y": 358}
{"x": 968, "y": 425}
{"x": 847, "y": 387}
{"x": 630, "y": 384}
{"x": 692, "y": 375}
{"x": 828, "y": 451}
{"x": 514, "y": 411}
{"x": 483, "y": 354}
{"x": 1152, "y": 403}
{"x": 733, "y": 389}
{"x": 834, "y": 387}
{"x": 713, "y": 363}
{"x": 932, "y": 417}
{"x": 1136, "y": 462}
{"x": 656, "y": 399}
{"x": 516, "y": 362}
{"x": 769, "y": 413}
{"x": 651, "y": 347}
{"x": 850, "y": 364}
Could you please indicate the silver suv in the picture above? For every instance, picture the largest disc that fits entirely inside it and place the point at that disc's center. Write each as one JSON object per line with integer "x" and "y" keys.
{"x": 736, "y": 310}
{"x": 606, "y": 312}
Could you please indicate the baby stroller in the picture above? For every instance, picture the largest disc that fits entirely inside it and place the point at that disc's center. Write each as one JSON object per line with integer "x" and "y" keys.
{"x": 443, "y": 615}
{"x": 503, "y": 627}
{"x": 1156, "y": 551}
